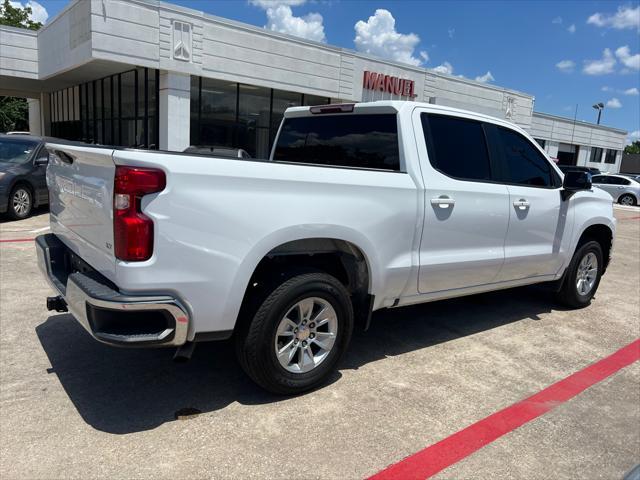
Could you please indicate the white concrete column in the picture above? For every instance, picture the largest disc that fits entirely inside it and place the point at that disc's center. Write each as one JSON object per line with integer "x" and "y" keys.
{"x": 175, "y": 111}
{"x": 35, "y": 120}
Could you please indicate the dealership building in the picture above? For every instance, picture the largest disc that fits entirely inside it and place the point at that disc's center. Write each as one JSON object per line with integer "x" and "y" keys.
{"x": 150, "y": 74}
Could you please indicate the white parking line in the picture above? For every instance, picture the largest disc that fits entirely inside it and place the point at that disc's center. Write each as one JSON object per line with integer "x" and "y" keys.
{"x": 38, "y": 230}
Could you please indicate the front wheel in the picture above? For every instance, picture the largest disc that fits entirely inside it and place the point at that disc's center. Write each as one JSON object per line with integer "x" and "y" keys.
{"x": 297, "y": 335}
{"x": 627, "y": 199}
{"x": 583, "y": 276}
{"x": 20, "y": 202}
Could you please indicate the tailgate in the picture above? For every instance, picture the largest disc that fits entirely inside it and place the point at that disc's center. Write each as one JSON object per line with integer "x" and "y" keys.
{"x": 80, "y": 181}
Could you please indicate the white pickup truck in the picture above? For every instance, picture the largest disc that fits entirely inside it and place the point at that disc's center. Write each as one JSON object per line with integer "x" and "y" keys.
{"x": 360, "y": 207}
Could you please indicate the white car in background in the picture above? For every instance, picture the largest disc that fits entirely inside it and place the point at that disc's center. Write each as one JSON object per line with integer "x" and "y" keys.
{"x": 624, "y": 190}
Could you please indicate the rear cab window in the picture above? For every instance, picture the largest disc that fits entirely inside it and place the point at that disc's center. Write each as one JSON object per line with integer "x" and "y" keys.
{"x": 368, "y": 141}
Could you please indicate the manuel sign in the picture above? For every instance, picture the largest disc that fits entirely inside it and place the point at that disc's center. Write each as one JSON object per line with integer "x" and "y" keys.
{"x": 389, "y": 84}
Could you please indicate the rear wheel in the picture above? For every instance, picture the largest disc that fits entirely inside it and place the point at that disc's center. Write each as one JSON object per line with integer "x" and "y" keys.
{"x": 297, "y": 335}
{"x": 583, "y": 276}
{"x": 20, "y": 202}
{"x": 627, "y": 199}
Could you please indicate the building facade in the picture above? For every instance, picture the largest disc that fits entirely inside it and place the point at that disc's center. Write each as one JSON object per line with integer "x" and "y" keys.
{"x": 149, "y": 74}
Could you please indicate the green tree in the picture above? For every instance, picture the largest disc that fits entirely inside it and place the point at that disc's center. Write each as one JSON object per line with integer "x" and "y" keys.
{"x": 14, "y": 112}
{"x": 633, "y": 148}
{"x": 17, "y": 17}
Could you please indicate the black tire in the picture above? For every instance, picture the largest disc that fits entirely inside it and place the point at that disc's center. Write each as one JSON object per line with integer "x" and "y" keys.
{"x": 569, "y": 295}
{"x": 20, "y": 202}
{"x": 627, "y": 196}
{"x": 255, "y": 342}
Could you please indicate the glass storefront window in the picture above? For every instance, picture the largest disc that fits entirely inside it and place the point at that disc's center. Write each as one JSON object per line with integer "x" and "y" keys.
{"x": 218, "y": 113}
{"x": 120, "y": 109}
{"x": 152, "y": 100}
{"x": 315, "y": 100}
{"x": 281, "y": 101}
{"x": 240, "y": 116}
{"x": 254, "y": 107}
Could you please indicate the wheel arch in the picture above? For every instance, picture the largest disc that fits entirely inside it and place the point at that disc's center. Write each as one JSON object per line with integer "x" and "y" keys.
{"x": 353, "y": 250}
{"x": 601, "y": 233}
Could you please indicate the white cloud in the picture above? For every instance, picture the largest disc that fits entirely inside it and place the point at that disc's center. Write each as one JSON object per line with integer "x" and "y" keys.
{"x": 572, "y": 28}
{"x": 614, "y": 103}
{"x": 451, "y": 32}
{"x": 633, "y": 136}
{"x": 628, "y": 60}
{"x": 566, "y": 66}
{"x": 280, "y": 18}
{"x": 625, "y": 17}
{"x": 600, "y": 67}
{"x": 424, "y": 56}
{"x": 446, "y": 67}
{"x": 38, "y": 12}
{"x": 633, "y": 91}
{"x": 378, "y": 36}
{"x": 486, "y": 78}
{"x": 557, "y": 20}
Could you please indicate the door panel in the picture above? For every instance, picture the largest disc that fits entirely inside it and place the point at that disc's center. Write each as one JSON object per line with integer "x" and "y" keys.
{"x": 462, "y": 244}
{"x": 465, "y": 221}
{"x": 537, "y": 236}
{"x": 539, "y": 230}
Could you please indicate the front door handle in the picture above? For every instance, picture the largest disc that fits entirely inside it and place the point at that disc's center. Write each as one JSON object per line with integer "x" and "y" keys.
{"x": 521, "y": 204}
{"x": 443, "y": 201}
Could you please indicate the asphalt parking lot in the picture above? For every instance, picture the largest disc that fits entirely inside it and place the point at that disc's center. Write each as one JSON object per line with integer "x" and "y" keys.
{"x": 73, "y": 408}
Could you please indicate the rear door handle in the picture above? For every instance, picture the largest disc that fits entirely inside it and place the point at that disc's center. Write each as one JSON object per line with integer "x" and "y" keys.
{"x": 443, "y": 201}
{"x": 522, "y": 204}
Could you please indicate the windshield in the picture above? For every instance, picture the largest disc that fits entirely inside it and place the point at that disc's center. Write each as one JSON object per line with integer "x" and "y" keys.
{"x": 16, "y": 151}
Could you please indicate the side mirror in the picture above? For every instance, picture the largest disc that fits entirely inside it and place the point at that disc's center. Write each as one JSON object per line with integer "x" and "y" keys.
{"x": 574, "y": 182}
{"x": 41, "y": 160}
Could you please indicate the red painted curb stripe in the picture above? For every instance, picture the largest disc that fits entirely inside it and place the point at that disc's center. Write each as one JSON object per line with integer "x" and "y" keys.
{"x": 450, "y": 450}
{"x": 630, "y": 218}
{"x": 17, "y": 240}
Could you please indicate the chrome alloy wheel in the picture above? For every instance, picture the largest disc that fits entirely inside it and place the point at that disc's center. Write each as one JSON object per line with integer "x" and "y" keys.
{"x": 587, "y": 273}
{"x": 21, "y": 202}
{"x": 306, "y": 335}
{"x": 626, "y": 200}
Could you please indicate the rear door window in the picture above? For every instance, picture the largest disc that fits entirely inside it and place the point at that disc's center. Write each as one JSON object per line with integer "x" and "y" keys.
{"x": 619, "y": 181}
{"x": 601, "y": 179}
{"x": 355, "y": 141}
{"x": 524, "y": 163}
{"x": 457, "y": 147}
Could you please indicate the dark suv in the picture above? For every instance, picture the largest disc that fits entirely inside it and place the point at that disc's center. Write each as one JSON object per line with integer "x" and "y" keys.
{"x": 23, "y": 166}
{"x": 575, "y": 168}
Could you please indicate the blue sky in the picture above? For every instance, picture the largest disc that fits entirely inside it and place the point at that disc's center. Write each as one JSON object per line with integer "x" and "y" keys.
{"x": 564, "y": 53}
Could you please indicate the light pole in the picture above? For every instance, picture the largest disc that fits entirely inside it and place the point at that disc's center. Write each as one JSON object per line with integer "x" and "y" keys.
{"x": 599, "y": 107}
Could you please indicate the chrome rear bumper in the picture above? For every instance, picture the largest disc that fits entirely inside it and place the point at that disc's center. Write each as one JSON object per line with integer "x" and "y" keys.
{"x": 108, "y": 315}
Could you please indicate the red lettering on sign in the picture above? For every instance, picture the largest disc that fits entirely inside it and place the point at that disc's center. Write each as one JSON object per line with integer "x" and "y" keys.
{"x": 369, "y": 81}
{"x": 388, "y": 83}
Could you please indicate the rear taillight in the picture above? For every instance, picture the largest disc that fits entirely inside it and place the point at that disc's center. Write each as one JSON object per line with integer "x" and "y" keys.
{"x": 132, "y": 230}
